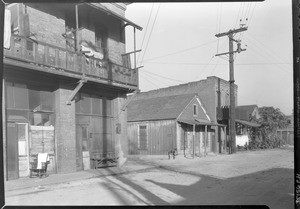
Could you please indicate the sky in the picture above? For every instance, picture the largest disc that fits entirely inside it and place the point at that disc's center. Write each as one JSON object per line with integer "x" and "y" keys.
{"x": 179, "y": 45}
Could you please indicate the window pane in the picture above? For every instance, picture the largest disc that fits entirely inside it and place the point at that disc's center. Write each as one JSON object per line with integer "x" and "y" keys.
{"x": 47, "y": 100}
{"x": 42, "y": 119}
{"x": 9, "y": 95}
{"x": 34, "y": 100}
{"x": 21, "y": 96}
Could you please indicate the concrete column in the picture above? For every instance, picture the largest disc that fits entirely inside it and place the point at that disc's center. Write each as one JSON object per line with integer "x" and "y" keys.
{"x": 120, "y": 130}
{"x": 65, "y": 132}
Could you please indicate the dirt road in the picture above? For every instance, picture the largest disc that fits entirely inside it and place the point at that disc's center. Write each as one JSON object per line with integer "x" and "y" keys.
{"x": 246, "y": 178}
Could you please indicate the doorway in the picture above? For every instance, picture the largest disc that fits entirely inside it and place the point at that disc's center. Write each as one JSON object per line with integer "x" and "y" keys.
{"x": 17, "y": 150}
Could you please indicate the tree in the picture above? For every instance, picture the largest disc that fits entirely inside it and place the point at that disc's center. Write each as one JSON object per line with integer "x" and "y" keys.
{"x": 265, "y": 136}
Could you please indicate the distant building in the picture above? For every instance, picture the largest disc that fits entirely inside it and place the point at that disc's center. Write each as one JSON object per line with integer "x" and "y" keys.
{"x": 160, "y": 124}
{"x": 287, "y": 134}
{"x": 213, "y": 92}
{"x": 243, "y": 116}
{"x": 66, "y": 76}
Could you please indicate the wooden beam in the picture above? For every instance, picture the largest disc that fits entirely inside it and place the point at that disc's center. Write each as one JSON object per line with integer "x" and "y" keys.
{"x": 131, "y": 52}
{"x": 78, "y": 87}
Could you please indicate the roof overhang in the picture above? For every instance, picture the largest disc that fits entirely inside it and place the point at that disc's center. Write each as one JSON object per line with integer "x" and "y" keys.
{"x": 199, "y": 122}
{"x": 109, "y": 12}
{"x": 247, "y": 123}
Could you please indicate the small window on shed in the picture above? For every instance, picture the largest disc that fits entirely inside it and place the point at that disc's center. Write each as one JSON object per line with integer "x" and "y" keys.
{"x": 143, "y": 138}
{"x": 195, "y": 109}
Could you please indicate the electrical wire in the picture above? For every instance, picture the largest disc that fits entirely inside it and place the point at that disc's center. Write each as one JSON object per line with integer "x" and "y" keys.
{"x": 250, "y": 19}
{"x": 150, "y": 33}
{"x": 163, "y": 76}
{"x": 146, "y": 30}
{"x": 181, "y": 51}
{"x": 272, "y": 53}
{"x": 238, "y": 16}
{"x": 153, "y": 78}
{"x": 149, "y": 81}
{"x": 259, "y": 51}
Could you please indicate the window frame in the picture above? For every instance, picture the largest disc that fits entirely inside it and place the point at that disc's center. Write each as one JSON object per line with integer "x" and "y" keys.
{"x": 195, "y": 110}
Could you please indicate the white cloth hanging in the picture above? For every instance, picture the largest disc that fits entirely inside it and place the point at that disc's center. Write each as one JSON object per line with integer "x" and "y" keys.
{"x": 7, "y": 29}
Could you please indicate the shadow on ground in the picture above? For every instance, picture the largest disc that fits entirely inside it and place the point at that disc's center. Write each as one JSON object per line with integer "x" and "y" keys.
{"x": 273, "y": 187}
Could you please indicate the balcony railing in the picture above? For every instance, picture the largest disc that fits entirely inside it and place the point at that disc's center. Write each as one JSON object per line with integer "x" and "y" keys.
{"x": 48, "y": 56}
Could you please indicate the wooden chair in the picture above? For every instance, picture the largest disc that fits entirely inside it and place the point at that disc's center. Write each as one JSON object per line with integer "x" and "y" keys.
{"x": 39, "y": 167}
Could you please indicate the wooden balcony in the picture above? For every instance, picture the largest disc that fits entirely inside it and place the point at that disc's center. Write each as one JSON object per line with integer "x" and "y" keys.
{"x": 41, "y": 56}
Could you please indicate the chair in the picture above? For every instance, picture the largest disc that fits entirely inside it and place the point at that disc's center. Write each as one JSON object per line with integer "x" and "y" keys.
{"x": 39, "y": 167}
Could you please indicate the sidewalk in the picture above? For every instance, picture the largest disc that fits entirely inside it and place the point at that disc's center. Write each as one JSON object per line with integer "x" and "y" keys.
{"x": 26, "y": 182}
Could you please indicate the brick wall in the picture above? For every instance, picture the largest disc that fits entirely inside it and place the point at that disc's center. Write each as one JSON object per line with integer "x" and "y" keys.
{"x": 48, "y": 27}
{"x": 65, "y": 132}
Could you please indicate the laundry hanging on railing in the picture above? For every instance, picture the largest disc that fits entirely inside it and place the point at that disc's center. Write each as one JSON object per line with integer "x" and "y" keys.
{"x": 91, "y": 53}
{"x": 7, "y": 29}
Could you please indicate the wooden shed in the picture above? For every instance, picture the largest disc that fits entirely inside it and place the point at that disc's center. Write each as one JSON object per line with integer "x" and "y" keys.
{"x": 158, "y": 125}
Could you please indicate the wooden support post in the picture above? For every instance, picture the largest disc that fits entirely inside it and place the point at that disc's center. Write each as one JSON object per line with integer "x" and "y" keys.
{"x": 193, "y": 140}
{"x": 78, "y": 87}
{"x": 77, "y": 26}
{"x": 205, "y": 139}
{"x": 225, "y": 140}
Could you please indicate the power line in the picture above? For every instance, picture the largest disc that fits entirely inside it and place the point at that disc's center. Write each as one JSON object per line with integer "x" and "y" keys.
{"x": 153, "y": 78}
{"x": 271, "y": 52}
{"x": 149, "y": 81}
{"x": 150, "y": 33}
{"x": 238, "y": 16}
{"x": 163, "y": 77}
{"x": 146, "y": 30}
{"x": 205, "y": 67}
{"x": 218, "y": 28}
{"x": 190, "y": 63}
{"x": 250, "y": 19}
{"x": 259, "y": 51}
{"x": 268, "y": 51}
{"x": 178, "y": 52}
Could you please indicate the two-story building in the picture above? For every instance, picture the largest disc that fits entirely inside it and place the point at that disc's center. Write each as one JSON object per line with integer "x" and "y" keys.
{"x": 65, "y": 80}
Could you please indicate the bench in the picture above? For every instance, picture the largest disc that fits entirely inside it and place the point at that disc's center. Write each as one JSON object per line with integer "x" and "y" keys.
{"x": 104, "y": 160}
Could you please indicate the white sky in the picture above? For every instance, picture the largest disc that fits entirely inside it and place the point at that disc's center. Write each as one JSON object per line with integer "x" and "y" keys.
{"x": 180, "y": 44}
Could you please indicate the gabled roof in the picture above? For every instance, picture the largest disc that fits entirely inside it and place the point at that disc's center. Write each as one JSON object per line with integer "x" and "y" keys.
{"x": 159, "y": 108}
{"x": 244, "y": 111}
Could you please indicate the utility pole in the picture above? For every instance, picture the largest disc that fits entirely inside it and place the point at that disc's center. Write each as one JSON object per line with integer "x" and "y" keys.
{"x": 230, "y": 34}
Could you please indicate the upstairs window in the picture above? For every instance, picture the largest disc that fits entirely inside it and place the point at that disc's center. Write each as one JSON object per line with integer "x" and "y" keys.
{"x": 195, "y": 110}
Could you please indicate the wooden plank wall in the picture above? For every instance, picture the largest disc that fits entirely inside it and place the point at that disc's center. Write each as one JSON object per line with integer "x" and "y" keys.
{"x": 161, "y": 137}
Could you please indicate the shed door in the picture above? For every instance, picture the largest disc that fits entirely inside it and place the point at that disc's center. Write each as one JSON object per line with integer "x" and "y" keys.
{"x": 12, "y": 152}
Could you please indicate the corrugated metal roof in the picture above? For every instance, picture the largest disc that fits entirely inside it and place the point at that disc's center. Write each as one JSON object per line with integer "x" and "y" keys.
{"x": 247, "y": 123}
{"x": 160, "y": 108}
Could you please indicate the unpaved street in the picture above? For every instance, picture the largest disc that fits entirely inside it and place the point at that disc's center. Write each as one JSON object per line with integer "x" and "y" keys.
{"x": 255, "y": 178}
